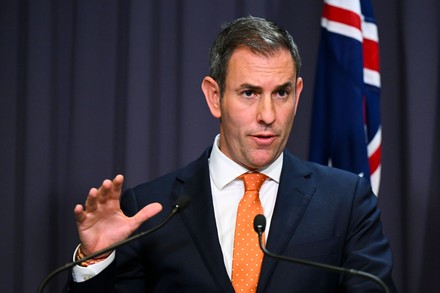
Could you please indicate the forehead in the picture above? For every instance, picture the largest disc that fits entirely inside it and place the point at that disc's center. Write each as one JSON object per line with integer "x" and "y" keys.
{"x": 249, "y": 65}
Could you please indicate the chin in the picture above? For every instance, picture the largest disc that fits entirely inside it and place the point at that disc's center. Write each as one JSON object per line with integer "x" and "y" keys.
{"x": 261, "y": 162}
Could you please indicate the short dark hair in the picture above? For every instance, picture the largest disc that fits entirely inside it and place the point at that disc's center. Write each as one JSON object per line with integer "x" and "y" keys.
{"x": 259, "y": 35}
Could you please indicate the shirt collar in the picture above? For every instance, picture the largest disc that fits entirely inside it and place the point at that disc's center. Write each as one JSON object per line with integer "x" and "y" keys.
{"x": 223, "y": 170}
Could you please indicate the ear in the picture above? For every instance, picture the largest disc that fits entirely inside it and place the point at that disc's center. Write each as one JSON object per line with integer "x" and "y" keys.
{"x": 298, "y": 90}
{"x": 212, "y": 95}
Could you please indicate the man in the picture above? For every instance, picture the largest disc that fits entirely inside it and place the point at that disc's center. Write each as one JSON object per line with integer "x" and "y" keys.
{"x": 313, "y": 212}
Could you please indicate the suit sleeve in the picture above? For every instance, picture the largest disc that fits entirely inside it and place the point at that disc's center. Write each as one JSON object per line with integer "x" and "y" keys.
{"x": 99, "y": 283}
{"x": 366, "y": 247}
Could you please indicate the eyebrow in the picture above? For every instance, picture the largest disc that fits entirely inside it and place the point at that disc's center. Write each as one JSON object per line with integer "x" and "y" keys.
{"x": 259, "y": 89}
{"x": 288, "y": 84}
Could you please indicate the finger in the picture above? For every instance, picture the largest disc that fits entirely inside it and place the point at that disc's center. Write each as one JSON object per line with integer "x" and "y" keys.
{"x": 117, "y": 186}
{"x": 104, "y": 190}
{"x": 118, "y": 180}
{"x": 91, "y": 201}
{"x": 79, "y": 213}
{"x": 146, "y": 213}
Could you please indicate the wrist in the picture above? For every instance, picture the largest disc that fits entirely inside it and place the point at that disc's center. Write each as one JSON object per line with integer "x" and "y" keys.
{"x": 80, "y": 255}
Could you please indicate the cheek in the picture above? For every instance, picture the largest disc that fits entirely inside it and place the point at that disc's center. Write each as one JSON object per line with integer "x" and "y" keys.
{"x": 235, "y": 117}
{"x": 285, "y": 119}
{"x": 285, "y": 110}
{"x": 234, "y": 124}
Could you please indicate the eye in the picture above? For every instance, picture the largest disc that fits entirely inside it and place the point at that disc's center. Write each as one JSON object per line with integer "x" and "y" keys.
{"x": 282, "y": 93}
{"x": 248, "y": 93}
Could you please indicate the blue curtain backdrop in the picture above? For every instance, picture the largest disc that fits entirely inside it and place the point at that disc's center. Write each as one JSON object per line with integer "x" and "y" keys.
{"x": 92, "y": 88}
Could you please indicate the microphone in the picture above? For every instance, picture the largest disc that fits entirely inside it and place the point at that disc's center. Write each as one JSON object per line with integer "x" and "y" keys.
{"x": 180, "y": 205}
{"x": 260, "y": 226}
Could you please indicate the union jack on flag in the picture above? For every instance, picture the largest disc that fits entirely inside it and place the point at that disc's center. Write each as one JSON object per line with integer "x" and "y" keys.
{"x": 346, "y": 128}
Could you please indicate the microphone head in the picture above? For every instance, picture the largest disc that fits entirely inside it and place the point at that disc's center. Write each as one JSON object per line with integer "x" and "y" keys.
{"x": 259, "y": 223}
{"x": 182, "y": 202}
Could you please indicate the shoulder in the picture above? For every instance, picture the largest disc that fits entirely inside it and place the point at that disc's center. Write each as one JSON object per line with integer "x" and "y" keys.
{"x": 161, "y": 188}
{"x": 193, "y": 168}
{"x": 324, "y": 181}
{"x": 322, "y": 172}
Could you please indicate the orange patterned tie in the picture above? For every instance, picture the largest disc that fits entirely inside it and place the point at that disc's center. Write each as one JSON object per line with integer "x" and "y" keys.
{"x": 247, "y": 257}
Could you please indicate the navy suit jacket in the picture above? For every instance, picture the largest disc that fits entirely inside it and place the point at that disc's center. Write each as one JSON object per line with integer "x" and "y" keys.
{"x": 321, "y": 214}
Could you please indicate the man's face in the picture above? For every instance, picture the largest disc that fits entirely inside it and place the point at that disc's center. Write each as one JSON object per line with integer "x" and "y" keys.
{"x": 258, "y": 107}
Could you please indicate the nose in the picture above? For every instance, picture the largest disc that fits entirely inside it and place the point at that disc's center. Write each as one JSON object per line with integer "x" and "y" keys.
{"x": 266, "y": 111}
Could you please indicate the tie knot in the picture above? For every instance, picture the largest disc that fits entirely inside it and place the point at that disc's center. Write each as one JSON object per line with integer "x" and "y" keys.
{"x": 253, "y": 181}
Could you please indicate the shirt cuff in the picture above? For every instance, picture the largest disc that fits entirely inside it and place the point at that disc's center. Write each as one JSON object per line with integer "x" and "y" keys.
{"x": 81, "y": 274}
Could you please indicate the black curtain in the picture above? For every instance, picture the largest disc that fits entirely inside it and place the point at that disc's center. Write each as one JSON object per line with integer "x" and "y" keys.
{"x": 92, "y": 88}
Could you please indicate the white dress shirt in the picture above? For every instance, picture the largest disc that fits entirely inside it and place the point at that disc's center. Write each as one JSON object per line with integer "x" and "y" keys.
{"x": 227, "y": 191}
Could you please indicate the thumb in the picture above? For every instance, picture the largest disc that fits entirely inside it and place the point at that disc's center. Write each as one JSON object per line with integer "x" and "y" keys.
{"x": 147, "y": 212}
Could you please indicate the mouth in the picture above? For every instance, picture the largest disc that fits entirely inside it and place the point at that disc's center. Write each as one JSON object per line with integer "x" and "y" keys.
{"x": 264, "y": 139}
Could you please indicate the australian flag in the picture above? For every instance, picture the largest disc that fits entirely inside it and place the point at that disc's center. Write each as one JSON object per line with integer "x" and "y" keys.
{"x": 346, "y": 127}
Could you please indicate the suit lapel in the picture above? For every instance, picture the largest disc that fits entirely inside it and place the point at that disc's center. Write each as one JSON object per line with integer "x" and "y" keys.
{"x": 199, "y": 218}
{"x": 294, "y": 194}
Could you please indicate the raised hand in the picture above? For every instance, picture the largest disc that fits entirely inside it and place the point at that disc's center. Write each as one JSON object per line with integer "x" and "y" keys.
{"x": 102, "y": 222}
